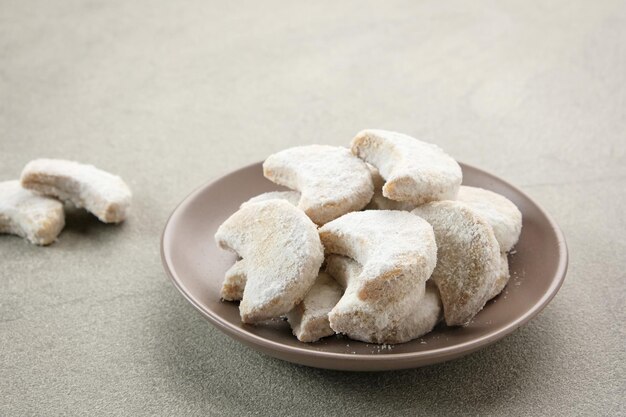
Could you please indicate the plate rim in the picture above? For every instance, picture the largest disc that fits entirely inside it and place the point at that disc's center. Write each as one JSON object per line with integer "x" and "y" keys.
{"x": 436, "y": 355}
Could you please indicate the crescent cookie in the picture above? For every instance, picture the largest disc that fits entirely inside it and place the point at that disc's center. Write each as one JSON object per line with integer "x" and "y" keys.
{"x": 468, "y": 258}
{"x": 414, "y": 315}
{"x": 105, "y": 195}
{"x": 331, "y": 180}
{"x": 498, "y": 211}
{"x": 282, "y": 255}
{"x": 37, "y": 218}
{"x": 415, "y": 172}
{"x": 309, "y": 319}
{"x": 379, "y": 201}
{"x": 396, "y": 249}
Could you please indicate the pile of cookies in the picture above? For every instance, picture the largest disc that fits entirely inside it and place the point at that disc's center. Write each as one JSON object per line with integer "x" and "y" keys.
{"x": 378, "y": 242}
{"x": 32, "y": 207}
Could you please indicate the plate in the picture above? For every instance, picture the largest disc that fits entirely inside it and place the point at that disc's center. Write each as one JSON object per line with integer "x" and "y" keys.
{"x": 197, "y": 266}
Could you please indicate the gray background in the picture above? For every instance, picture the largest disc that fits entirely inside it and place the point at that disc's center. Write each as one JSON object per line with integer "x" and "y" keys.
{"x": 173, "y": 94}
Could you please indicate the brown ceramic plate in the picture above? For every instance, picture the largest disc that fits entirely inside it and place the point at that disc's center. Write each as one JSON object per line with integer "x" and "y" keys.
{"x": 197, "y": 266}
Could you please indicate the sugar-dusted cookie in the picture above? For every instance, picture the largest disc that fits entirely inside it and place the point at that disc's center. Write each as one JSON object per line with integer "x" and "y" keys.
{"x": 379, "y": 201}
{"x": 498, "y": 211}
{"x": 281, "y": 253}
{"x": 468, "y": 258}
{"x": 415, "y": 172}
{"x": 411, "y": 316}
{"x": 396, "y": 249}
{"x": 105, "y": 195}
{"x": 37, "y": 218}
{"x": 331, "y": 180}
{"x": 309, "y": 319}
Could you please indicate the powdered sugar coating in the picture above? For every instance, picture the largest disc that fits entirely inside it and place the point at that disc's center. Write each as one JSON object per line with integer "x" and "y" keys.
{"x": 415, "y": 172}
{"x": 37, "y": 218}
{"x": 331, "y": 180}
{"x": 498, "y": 211}
{"x": 503, "y": 276}
{"x": 105, "y": 195}
{"x": 309, "y": 319}
{"x": 412, "y": 316}
{"x": 292, "y": 197}
{"x": 379, "y": 201}
{"x": 234, "y": 282}
{"x": 397, "y": 251}
{"x": 468, "y": 258}
{"x": 282, "y": 253}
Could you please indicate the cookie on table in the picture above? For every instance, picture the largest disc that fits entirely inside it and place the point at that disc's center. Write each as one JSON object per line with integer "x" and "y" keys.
{"x": 105, "y": 195}
{"x": 37, "y": 218}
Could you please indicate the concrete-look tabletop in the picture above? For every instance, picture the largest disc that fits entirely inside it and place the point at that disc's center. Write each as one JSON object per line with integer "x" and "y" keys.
{"x": 174, "y": 94}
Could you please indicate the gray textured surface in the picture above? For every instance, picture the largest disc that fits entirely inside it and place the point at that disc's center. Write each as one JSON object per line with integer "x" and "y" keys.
{"x": 171, "y": 95}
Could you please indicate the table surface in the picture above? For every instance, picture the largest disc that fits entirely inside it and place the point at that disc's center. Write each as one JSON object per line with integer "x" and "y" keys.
{"x": 172, "y": 95}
